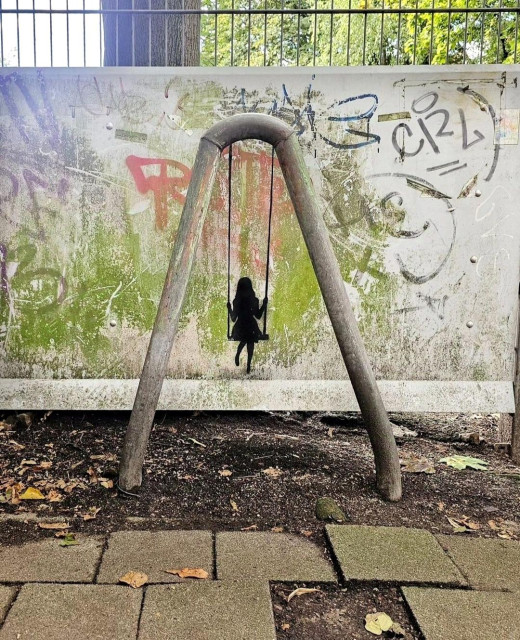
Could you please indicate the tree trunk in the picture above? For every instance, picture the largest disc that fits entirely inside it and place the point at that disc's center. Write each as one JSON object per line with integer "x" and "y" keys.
{"x": 151, "y": 40}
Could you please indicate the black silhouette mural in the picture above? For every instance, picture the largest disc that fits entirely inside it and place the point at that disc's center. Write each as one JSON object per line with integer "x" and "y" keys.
{"x": 244, "y": 312}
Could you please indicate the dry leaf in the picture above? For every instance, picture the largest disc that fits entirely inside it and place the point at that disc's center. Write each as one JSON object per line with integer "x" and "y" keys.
{"x": 415, "y": 464}
{"x": 441, "y": 506}
{"x": 93, "y": 475}
{"x": 378, "y": 622}
{"x": 134, "y": 579}
{"x": 285, "y": 626}
{"x": 45, "y": 465}
{"x": 300, "y": 592}
{"x": 53, "y": 525}
{"x": 463, "y": 525}
{"x": 307, "y": 534}
{"x": 54, "y": 496}
{"x": 272, "y": 472}
{"x": 250, "y": 528}
{"x": 108, "y": 484}
{"x": 234, "y": 505}
{"x": 277, "y": 529}
{"x": 225, "y": 473}
{"x": 199, "y": 574}
{"x": 32, "y": 494}
{"x": 92, "y": 513}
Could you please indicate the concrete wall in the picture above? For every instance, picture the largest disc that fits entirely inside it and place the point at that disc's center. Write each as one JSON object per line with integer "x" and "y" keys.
{"x": 416, "y": 170}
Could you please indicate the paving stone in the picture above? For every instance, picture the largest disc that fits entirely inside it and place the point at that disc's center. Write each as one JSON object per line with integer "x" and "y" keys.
{"x": 46, "y": 561}
{"x": 265, "y": 555}
{"x": 448, "y": 614}
{"x": 153, "y": 552}
{"x": 393, "y": 554}
{"x": 208, "y": 611}
{"x": 487, "y": 564}
{"x": 73, "y": 612}
{"x": 6, "y": 597}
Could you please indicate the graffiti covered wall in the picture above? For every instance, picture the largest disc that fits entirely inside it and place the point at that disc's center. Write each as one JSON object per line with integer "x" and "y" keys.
{"x": 416, "y": 171}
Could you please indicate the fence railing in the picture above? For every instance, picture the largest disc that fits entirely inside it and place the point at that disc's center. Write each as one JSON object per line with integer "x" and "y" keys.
{"x": 257, "y": 32}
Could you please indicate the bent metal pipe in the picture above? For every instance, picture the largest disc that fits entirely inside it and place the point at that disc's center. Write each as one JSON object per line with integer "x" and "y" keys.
{"x": 273, "y": 131}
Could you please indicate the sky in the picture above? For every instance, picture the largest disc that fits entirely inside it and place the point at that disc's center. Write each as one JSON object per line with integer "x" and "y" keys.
{"x": 42, "y": 39}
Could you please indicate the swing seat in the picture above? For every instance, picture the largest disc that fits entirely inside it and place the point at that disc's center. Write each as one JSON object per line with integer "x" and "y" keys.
{"x": 264, "y": 336}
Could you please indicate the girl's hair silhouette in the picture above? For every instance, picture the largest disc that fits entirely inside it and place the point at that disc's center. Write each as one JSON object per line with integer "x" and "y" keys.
{"x": 243, "y": 313}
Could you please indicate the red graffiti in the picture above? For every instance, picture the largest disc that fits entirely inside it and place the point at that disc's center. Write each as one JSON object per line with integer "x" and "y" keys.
{"x": 161, "y": 184}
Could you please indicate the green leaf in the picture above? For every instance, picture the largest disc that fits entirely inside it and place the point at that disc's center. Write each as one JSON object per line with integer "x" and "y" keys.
{"x": 463, "y": 462}
{"x": 69, "y": 540}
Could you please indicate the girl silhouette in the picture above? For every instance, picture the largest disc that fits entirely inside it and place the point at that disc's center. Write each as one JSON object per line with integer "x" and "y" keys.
{"x": 243, "y": 313}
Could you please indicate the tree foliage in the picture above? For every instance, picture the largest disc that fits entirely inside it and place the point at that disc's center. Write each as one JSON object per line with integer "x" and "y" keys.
{"x": 338, "y": 39}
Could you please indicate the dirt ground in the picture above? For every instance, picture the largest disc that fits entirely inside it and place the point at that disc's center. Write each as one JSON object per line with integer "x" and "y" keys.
{"x": 260, "y": 471}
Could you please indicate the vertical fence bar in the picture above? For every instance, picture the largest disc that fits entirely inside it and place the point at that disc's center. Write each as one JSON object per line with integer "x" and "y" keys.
{"x": 315, "y": 33}
{"x": 415, "y": 32}
{"x": 365, "y": 17}
{"x": 216, "y": 32}
{"x": 516, "y": 31}
{"x": 448, "y": 33}
{"x": 232, "y": 32}
{"x": 249, "y": 36}
{"x": 482, "y": 32}
{"x": 399, "y": 33}
{"x": 499, "y": 29}
{"x": 265, "y": 34}
{"x": 382, "y": 58}
{"x": 84, "y": 37}
{"x": 34, "y": 34}
{"x": 68, "y": 32}
{"x": 465, "y": 35}
{"x": 50, "y": 32}
{"x": 431, "y": 33}
{"x": 281, "y": 33}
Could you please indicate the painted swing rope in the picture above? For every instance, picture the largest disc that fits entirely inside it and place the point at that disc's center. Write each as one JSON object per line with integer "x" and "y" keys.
{"x": 282, "y": 138}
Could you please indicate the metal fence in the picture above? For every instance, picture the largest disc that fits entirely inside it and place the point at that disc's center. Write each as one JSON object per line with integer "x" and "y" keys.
{"x": 257, "y": 32}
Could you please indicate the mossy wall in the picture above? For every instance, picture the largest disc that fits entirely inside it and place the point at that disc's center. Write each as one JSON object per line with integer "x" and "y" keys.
{"x": 415, "y": 171}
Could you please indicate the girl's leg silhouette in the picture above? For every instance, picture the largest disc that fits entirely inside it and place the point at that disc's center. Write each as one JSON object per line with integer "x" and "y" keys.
{"x": 250, "y": 351}
{"x": 241, "y": 345}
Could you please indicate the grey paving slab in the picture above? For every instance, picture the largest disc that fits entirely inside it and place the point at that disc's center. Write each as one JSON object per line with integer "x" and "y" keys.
{"x": 7, "y": 595}
{"x": 448, "y": 614}
{"x": 393, "y": 554}
{"x": 208, "y": 611}
{"x": 153, "y": 552}
{"x": 73, "y": 612}
{"x": 487, "y": 564}
{"x": 46, "y": 561}
{"x": 271, "y": 556}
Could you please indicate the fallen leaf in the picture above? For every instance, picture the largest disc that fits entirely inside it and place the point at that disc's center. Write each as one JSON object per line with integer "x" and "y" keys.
{"x": 378, "y": 622}
{"x": 234, "y": 505}
{"x": 54, "y": 496}
{"x": 108, "y": 484}
{"x": 277, "y": 529}
{"x": 16, "y": 445}
{"x": 45, "y": 464}
{"x": 441, "y": 506}
{"x": 285, "y": 626}
{"x": 32, "y": 494}
{"x": 93, "y": 479}
{"x": 306, "y": 533}
{"x": 199, "y": 574}
{"x": 250, "y": 528}
{"x": 92, "y": 513}
{"x": 134, "y": 579}
{"x": 300, "y": 592}
{"x": 225, "y": 473}
{"x": 330, "y": 432}
{"x": 463, "y": 525}
{"x": 28, "y": 462}
{"x": 272, "y": 472}
{"x": 415, "y": 464}
{"x": 463, "y": 462}
{"x": 397, "y": 630}
{"x": 53, "y": 525}
{"x": 69, "y": 540}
